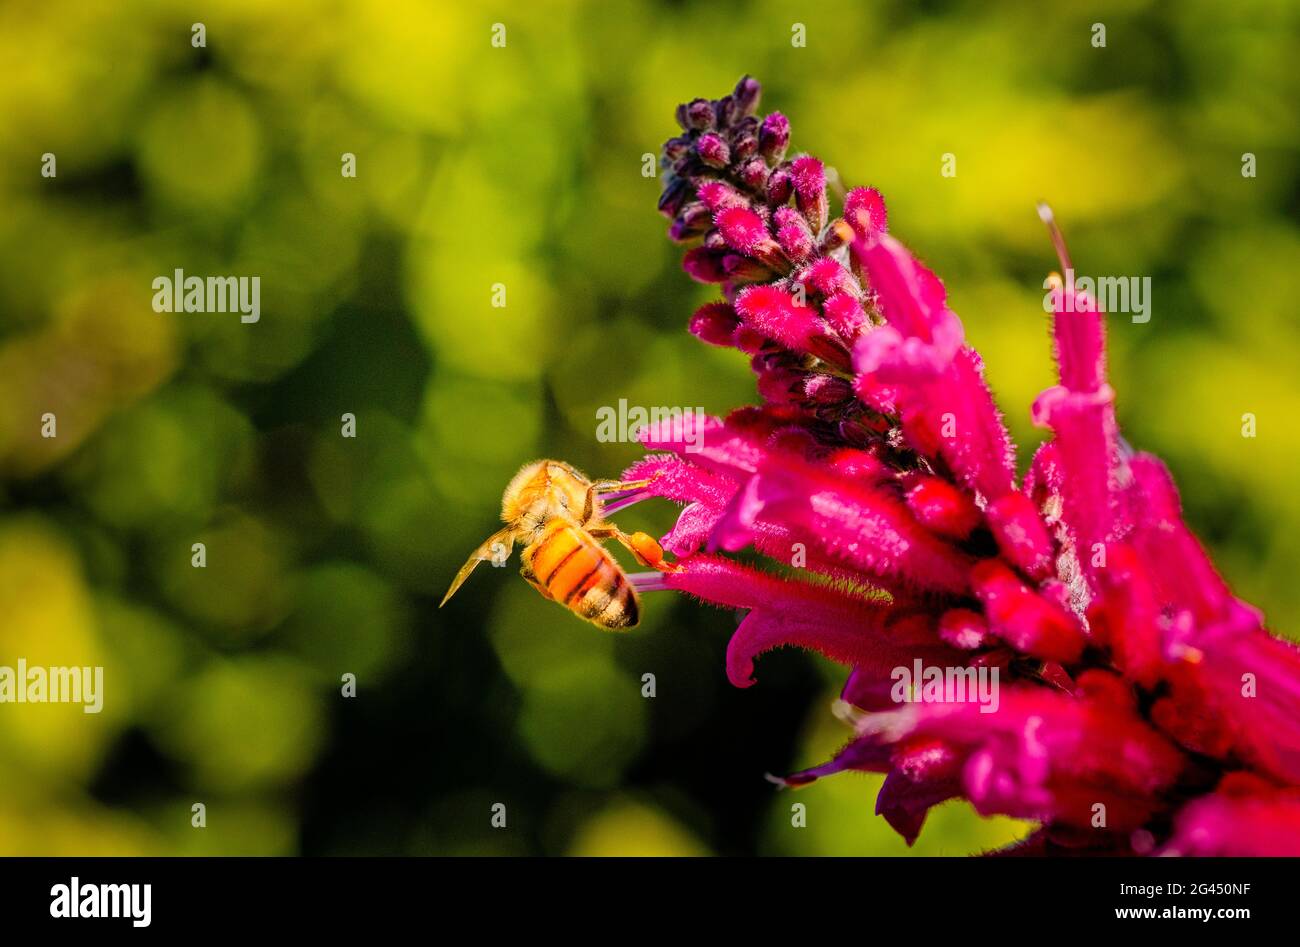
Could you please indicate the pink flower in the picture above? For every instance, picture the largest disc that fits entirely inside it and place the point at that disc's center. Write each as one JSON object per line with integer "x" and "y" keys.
{"x": 1140, "y": 707}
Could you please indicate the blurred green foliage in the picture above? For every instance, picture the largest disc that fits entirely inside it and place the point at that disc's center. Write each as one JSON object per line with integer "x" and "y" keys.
{"x": 521, "y": 166}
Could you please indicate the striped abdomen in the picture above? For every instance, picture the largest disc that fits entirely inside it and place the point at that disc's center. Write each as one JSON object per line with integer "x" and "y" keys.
{"x": 576, "y": 571}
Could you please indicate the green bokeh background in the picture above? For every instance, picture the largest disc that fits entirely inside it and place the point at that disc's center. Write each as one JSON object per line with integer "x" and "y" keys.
{"x": 522, "y": 166}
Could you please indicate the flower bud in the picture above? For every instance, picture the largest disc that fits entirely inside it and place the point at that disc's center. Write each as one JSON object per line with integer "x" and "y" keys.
{"x": 700, "y": 115}
{"x": 746, "y": 95}
{"x": 774, "y": 137}
{"x": 780, "y": 186}
{"x": 713, "y": 151}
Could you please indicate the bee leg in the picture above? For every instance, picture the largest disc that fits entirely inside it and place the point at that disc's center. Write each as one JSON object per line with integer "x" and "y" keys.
{"x": 496, "y": 548}
{"x": 644, "y": 548}
{"x": 607, "y": 486}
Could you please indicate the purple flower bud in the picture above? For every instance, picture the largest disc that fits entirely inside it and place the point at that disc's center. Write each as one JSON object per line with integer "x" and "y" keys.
{"x": 744, "y": 144}
{"x": 675, "y": 148}
{"x": 780, "y": 185}
{"x": 674, "y": 197}
{"x": 774, "y": 137}
{"x": 700, "y": 115}
{"x": 742, "y": 269}
{"x": 713, "y": 151}
{"x": 746, "y": 96}
{"x": 694, "y": 219}
{"x": 724, "y": 111}
{"x": 704, "y": 265}
{"x": 715, "y": 323}
{"x": 754, "y": 173}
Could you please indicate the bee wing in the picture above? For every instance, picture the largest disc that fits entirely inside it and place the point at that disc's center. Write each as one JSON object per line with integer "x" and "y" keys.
{"x": 486, "y": 552}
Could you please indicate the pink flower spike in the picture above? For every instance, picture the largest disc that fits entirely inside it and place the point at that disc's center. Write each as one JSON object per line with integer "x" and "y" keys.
{"x": 878, "y": 478}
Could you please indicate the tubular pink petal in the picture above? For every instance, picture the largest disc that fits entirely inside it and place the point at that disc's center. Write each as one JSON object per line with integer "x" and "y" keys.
{"x": 707, "y": 442}
{"x": 964, "y": 629}
{"x": 1086, "y": 451}
{"x": 1187, "y": 578}
{"x": 911, "y": 297}
{"x": 864, "y": 754}
{"x": 1245, "y": 816}
{"x": 793, "y": 235}
{"x": 845, "y": 627}
{"x": 1020, "y": 534}
{"x": 942, "y": 508}
{"x": 1022, "y": 618}
{"x": 860, "y": 526}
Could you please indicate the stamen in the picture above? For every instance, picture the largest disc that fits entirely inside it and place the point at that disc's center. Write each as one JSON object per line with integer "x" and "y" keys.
{"x": 649, "y": 581}
{"x": 1058, "y": 239}
{"x": 613, "y": 502}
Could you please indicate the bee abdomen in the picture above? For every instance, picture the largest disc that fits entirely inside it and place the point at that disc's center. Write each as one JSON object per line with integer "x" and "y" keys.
{"x": 609, "y": 602}
{"x": 576, "y": 571}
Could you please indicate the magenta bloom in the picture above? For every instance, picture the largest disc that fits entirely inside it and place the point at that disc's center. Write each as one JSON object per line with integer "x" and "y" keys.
{"x": 1061, "y": 649}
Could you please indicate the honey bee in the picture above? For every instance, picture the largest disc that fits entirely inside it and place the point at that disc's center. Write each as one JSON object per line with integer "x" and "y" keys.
{"x": 556, "y": 513}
